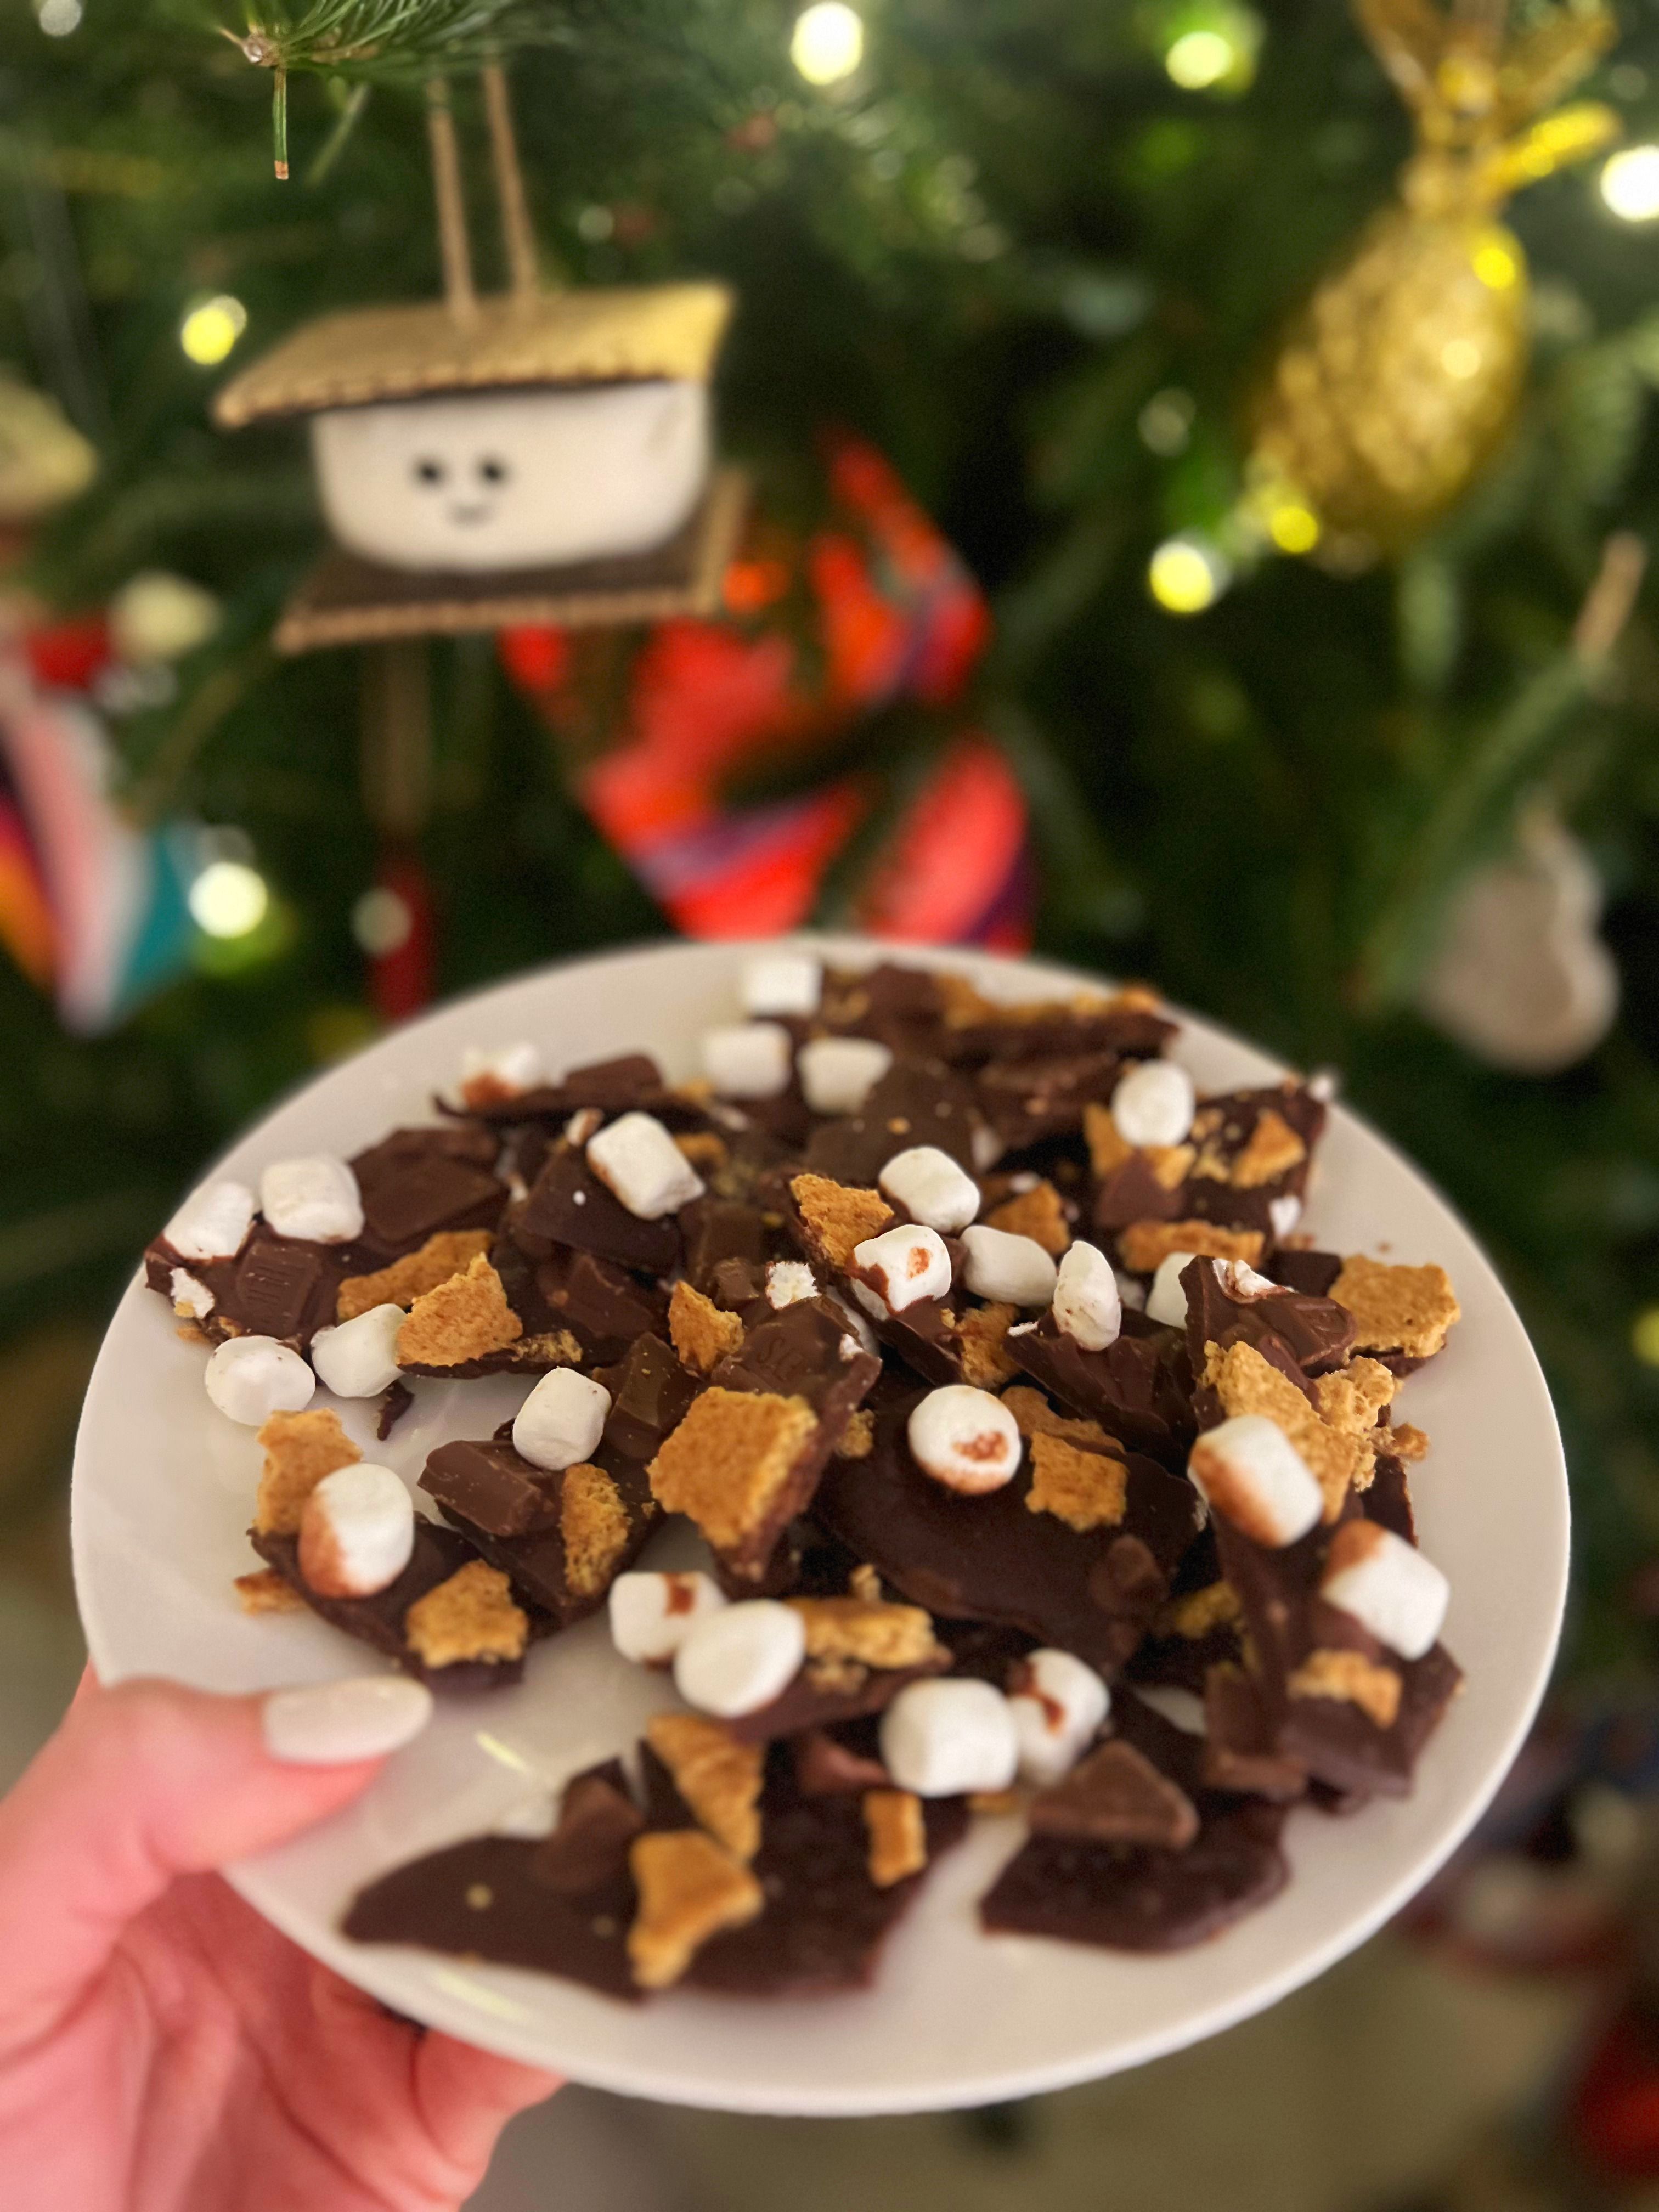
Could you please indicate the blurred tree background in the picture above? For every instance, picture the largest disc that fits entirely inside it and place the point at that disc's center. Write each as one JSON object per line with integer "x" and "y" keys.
{"x": 1041, "y": 253}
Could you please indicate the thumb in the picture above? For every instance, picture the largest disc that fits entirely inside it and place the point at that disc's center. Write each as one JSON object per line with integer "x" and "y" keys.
{"x": 151, "y": 1780}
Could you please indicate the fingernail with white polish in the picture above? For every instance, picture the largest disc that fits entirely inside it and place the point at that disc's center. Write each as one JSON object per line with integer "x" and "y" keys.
{"x": 332, "y": 1723}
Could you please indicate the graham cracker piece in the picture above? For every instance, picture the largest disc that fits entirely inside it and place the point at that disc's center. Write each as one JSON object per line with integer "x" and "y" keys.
{"x": 471, "y": 1616}
{"x": 1035, "y": 1416}
{"x": 858, "y": 1439}
{"x": 719, "y": 1779}
{"x": 898, "y": 1835}
{"x": 1273, "y": 1150}
{"x": 838, "y": 1217}
{"x": 1084, "y": 1489}
{"x": 707, "y": 1153}
{"x": 301, "y": 1449}
{"x": 266, "y": 1592}
{"x": 410, "y": 1277}
{"x": 1145, "y": 1245}
{"x": 869, "y": 1632}
{"x": 1171, "y": 1164}
{"x": 554, "y": 1347}
{"x": 1351, "y": 1677}
{"x": 1201, "y": 1613}
{"x": 458, "y": 1320}
{"x": 1405, "y": 1309}
{"x": 1039, "y": 1213}
{"x": 1108, "y": 1149}
{"x": 981, "y": 1344}
{"x": 688, "y": 1890}
{"x": 701, "y": 1334}
{"x": 1404, "y": 1441}
{"x": 593, "y": 1526}
{"x": 1245, "y": 1382}
{"x": 1353, "y": 1397}
{"x": 726, "y": 1464}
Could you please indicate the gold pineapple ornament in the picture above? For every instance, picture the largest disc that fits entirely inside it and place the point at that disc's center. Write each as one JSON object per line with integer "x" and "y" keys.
{"x": 1400, "y": 378}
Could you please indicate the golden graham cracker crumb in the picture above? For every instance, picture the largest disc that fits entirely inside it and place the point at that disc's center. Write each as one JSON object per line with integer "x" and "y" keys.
{"x": 701, "y": 1334}
{"x": 873, "y": 1633}
{"x": 1200, "y": 1613}
{"x": 449, "y": 1253}
{"x": 471, "y": 1616}
{"x": 1171, "y": 1164}
{"x": 301, "y": 1449}
{"x": 463, "y": 1319}
{"x": 898, "y": 1836}
{"x": 593, "y": 1526}
{"x": 995, "y": 1804}
{"x": 838, "y": 1217}
{"x": 1351, "y": 1677}
{"x": 719, "y": 1778}
{"x": 688, "y": 1890}
{"x": 858, "y": 1439}
{"x": 726, "y": 1462}
{"x": 1039, "y": 1213}
{"x": 707, "y": 1153}
{"x": 1273, "y": 1149}
{"x": 1353, "y": 1397}
{"x": 1145, "y": 1245}
{"x": 554, "y": 1347}
{"x": 1108, "y": 1150}
{"x": 1404, "y": 1441}
{"x": 1245, "y": 1382}
{"x": 1035, "y": 1416}
{"x": 1084, "y": 1489}
{"x": 1405, "y": 1309}
{"x": 982, "y": 1345}
{"x": 266, "y": 1592}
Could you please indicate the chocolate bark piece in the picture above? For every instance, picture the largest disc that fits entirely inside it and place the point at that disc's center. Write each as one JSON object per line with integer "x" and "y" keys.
{"x": 1309, "y": 1272}
{"x": 632, "y": 1079}
{"x": 603, "y": 1306}
{"x": 901, "y": 1007}
{"x": 728, "y": 1245}
{"x": 917, "y": 1102}
{"x": 276, "y": 1287}
{"x": 1315, "y": 1332}
{"x": 416, "y": 1181}
{"x": 1133, "y": 1192}
{"x": 806, "y": 1349}
{"x": 843, "y": 1762}
{"x": 1240, "y": 1748}
{"x": 650, "y": 1396}
{"x": 569, "y": 1205}
{"x": 1115, "y": 1794}
{"x": 395, "y": 1402}
{"x": 1197, "y": 1630}
{"x": 597, "y": 1821}
{"x": 1138, "y": 1388}
{"x": 1346, "y": 1749}
{"x": 1027, "y": 1101}
{"x": 1389, "y": 1500}
{"x": 1252, "y": 1147}
{"x": 491, "y": 1488}
{"x": 378, "y": 1621}
{"x": 978, "y": 1029}
{"x": 826, "y": 1697}
{"x": 1092, "y": 1591}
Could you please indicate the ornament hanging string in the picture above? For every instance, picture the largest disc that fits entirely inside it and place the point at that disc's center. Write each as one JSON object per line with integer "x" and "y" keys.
{"x": 517, "y": 232}
{"x": 458, "y": 288}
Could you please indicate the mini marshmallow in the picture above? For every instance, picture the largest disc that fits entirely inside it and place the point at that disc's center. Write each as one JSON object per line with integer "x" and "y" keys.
{"x": 931, "y": 1188}
{"x": 1153, "y": 1104}
{"x": 740, "y": 1657}
{"x": 1088, "y": 1304}
{"x": 190, "y": 1295}
{"x": 1131, "y": 1290}
{"x": 358, "y": 1359}
{"x": 652, "y": 1614}
{"x": 1250, "y": 1473}
{"x": 782, "y": 983}
{"x": 560, "y": 1422}
{"x": 1241, "y": 1280}
{"x": 750, "y": 1059}
{"x": 249, "y": 1378}
{"x": 508, "y": 1070}
{"x": 1284, "y": 1213}
{"x": 315, "y": 1198}
{"x": 1386, "y": 1585}
{"x": 357, "y": 1534}
{"x": 789, "y": 1281}
{"x": 586, "y": 1121}
{"x": 837, "y": 1074}
{"x": 965, "y": 1438}
{"x": 213, "y": 1223}
{"x": 637, "y": 1159}
{"x": 1011, "y": 1270}
{"x": 908, "y": 1264}
{"x": 987, "y": 1147}
{"x": 1166, "y": 1301}
{"x": 860, "y": 1328}
{"x": 942, "y": 1739}
{"x": 1058, "y": 1710}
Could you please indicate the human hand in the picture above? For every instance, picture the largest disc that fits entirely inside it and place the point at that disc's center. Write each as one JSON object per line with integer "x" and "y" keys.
{"x": 162, "y": 2048}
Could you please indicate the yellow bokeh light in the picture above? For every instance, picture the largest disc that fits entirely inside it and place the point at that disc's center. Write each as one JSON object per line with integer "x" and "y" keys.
{"x": 1184, "y": 576}
{"x": 1293, "y": 528}
{"x": 212, "y": 329}
{"x": 1496, "y": 263}
{"x": 1630, "y": 184}
{"x": 229, "y": 899}
{"x": 828, "y": 42}
{"x": 1200, "y": 59}
{"x": 1644, "y": 1335}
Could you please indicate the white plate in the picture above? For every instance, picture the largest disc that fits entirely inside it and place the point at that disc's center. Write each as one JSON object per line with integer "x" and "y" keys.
{"x": 163, "y": 1489}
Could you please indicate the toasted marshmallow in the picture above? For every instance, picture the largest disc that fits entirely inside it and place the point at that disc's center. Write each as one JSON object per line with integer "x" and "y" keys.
{"x": 837, "y": 1074}
{"x": 504, "y": 1072}
{"x": 942, "y": 1739}
{"x": 1088, "y": 1304}
{"x": 1058, "y": 1708}
{"x": 750, "y": 1059}
{"x": 1011, "y": 1270}
{"x": 637, "y": 1159}
{"x": 1387, "y": 1585}
{"x": 781, "y": 983}
{"x": 789, "y": 1281}
{"x": 1153, "y": 1104}
{"x": 315, "y": 1198}
{"x": 190, "y": 1294}
{"x": 358, "y": 1359}
{"x": 964, "y": 1438}
{"x": 907, "y": 1263}
{"x": 213, "y": 1223}
{"x": 1166, "y": 1301}
{"x": 249, "y": 1378}
{"x": 358, "y": 1532}
{"x": 1283, "y": 1213}
{"x": 1251, "y": 1474}
{"x": 652, "y": 1614}
{"x": 931, "y": 1188}
{"x": 740, "y": 1657}
{"x": 560, "y": 1422}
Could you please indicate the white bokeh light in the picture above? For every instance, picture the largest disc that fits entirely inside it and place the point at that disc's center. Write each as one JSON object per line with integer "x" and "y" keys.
{"x": 828, "y": 42}
{"x": 1630, "y": 183}
{"x": 229, "y": 899}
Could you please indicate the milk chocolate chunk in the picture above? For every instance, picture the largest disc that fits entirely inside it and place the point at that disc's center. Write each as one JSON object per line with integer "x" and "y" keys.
{"x": 1310, "y": 1272}
{"x": 1316, "y": 1332}
{"x": 728, "y": 1245}
{"x": 1027, "y": 1102}
{"x": 577, "y": 1528}
{"x": 488, "y": 1486}
{"x": 915, "y": 1103}
{"x": 597, "y": 1821}
{"x": 650, "y": 1396}
{"x": 842, "y": 1763}
{"x": 806, "y": 1349}
{"x": 1240, "y": 1750}
{"x": 416, "y": 1181}
{"x": 1115, "y": 1794}
{"x": 276, "y": 1287}
{"x": 1138, "y": 1388}
{"x": 569, "y": 1205}
{"x": 603, "y": 1306}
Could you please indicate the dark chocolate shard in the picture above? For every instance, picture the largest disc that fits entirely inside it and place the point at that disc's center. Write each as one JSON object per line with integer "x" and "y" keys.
{"x": 915, "y": 1103}
{"x": 1317, "y": 1333}
{"x": 597, "y": 1821}
{"x": 632, "y": 1080}
{"x": 836, "y": 1764}
{"x": 1240, "y": 1751}
{"x": 728, "y": 1245}
{"x": 1389, "y": 1500}
{"x": 823, "y": 1698}
{"x": 1115, "y": 1794}
{"x": 569, "y": 1205}
{"x": 491, "y": 1487}
{"x": 1248, "y": 1155}
{"x": 650, "y": 1394}
{"x": 395, "y": 1402}
{"x": 563, "y": 1563}
{"x": 1028, "y": 1101}
{"x": 1344, "y": 1746}
{"x": 417, "y": 1181}
{"x": 1138, "y": 1388}
{"x": 603, "y": 1306}
{"x": 1310, "y": 1272}
{"x": 806, "y": 1349}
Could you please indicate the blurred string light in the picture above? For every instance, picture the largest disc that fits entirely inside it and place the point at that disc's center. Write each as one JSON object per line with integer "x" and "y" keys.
{"x": 828, "y": 41}
{"x": 1213, "y": 49}
{"x": 1644, "y": 1336}
{"x": 381, "y": 922}
{"x": 1187, "y": 574}
{"x": 1630, "y": 183}
{"x": 57, "y": 18}
{"x": 212, "y": 328}
{"x": 229, "y": 899}
{"x": 1496, "y": 261}
{"x": 1165, "y": 423}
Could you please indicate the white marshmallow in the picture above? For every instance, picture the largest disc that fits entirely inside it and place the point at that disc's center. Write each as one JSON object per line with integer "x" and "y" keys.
{"x": 837, "y": 1074}
{"x": 315, "y": 1198}
{"x": 652, "y": 1614}
{"x": 1251, "y": 1474}
{"x": 988, "y": 1148}
{"x": 1088, "y": 1304}
{"x": 637, "y": 1159}
{"x": 190, "y": 1295}
{"x": 1131, "y": 1291}
{"x": 1386, "y": 1585}
{"x": 586, "y": 1121}
{"x": 965, "y": 1438}
{"x": 358, "y": 1532}
{"x": 782, "y": 983}
{"x": 1153, "y": 1104}
{"x": 942, "y": 1739}
{"x": 1013, "y": 1270}
{"x": 750, "y": 1059}
{"x": 873, "y": 1304}
{"x": 250, "y": 1377}
{"x": 213, "y": 1223}
{"x": 1284, "y": 1213}
{"x": 1058, "y": 1710}
{"x": 358, "y": 1359}
{"x": 741, "y": 1658}
{"x": 789, "y": 1281}
{"x": 509, "y": 1069}
{"x": 560, "y": 1422}
{"x": 909, "y": 1263}
{"x": 931, "y": 1188}
{"x": 855, "y": 1321}
{"x": 1166, "y": 1301}
{"x": 1241, "y": 1280}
